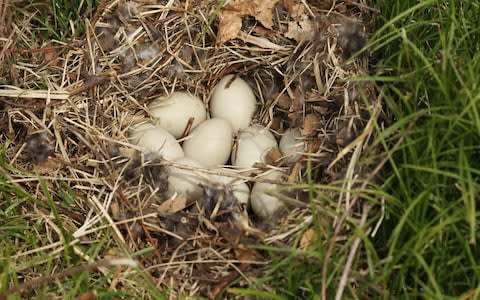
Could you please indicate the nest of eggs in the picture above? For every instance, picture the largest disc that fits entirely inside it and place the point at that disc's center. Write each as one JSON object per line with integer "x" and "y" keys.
{"x": 81, "y": 127}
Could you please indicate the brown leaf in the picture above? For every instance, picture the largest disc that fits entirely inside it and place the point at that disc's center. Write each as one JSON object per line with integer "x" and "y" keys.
{"x": 173, "y": 205}
{"x": 230, "y": 17}
{"x": 276, "y": 123}
{"x": 307, "y": 238}
{"x": 295, "y": 173}
{"x": 310, "y": 124}
{"x": 115, "y": 210}
{"x": 49, "y": 166}
{"x": 294, "y": 9}
{"x": 273, "y": 156}
{"x": 50, "y": 55}
{"x": 245, "y": 254}
{"x": 284, "y": 102}
{"x": 87, "y": 295}
{"x": 300, "y": 30}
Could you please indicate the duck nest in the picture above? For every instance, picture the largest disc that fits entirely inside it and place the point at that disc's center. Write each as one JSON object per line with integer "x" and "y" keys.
{"x": 67, "y": 110}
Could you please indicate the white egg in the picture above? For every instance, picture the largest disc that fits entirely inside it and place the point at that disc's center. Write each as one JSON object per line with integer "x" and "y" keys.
{"x": 291, "y": 145}
{"x": 234, "y": 102}
{"x": 239, "y": 188}
{"x": 136, "y": 131}
{"x": 264, "y": 205}
{"x": 155, "y": 139}
{"x": 210, "y": 142}
{"x": 174, "y": 112}
{"x": 253, "y": 143}
{"x": 184, "y": 180}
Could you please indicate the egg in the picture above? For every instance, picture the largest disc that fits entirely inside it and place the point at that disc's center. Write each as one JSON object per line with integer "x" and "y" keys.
{"x": 234, "y": 101}
{"x": 239, "y": 188}
{"x": 253, "y": 143}
{"x": 264, "y": 205}
{"x": 291, "y": 145}
{"x": 136, "y": 131}
{"x": 184, "y": 180}
{"x": 174, "y": 112}
{"x": 150, "y": 138}
{"x": 210, "y": 142}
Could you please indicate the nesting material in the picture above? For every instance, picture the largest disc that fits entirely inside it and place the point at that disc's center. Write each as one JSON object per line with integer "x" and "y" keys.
{"x": 291, "y": 63}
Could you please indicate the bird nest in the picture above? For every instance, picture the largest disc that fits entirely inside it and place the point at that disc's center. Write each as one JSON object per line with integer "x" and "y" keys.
{"x": 67, "y": 109}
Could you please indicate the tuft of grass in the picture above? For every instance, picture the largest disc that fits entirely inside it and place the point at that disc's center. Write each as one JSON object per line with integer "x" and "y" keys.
{"x": 428, "y": 73}
{"x": 428, "y": 243}
{"x": 56, "y": 19}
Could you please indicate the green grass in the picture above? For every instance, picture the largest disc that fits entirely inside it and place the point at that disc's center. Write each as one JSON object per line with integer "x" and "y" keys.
{"x": 55, "y": 19}
{"x": 431, "y": 232}
{"x": 427, "y": 62}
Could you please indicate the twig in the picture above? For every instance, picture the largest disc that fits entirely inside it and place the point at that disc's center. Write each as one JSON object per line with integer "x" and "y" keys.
{"x": 363, "y": 6}
{"x": 92, "y": 80}
{"x": 351, "y": 256}
{"x": 152, "y": 241}
{"x": 39, "y": 94}
{"x": 228, "y": 280}
{"x": 99, "y": 11}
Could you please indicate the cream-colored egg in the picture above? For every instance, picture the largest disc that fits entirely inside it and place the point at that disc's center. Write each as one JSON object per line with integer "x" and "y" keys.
{"x": 136, "y": 131}
{"x": 210, "y": 142}
{"x": 239, "y": 187}
{"x": 185, "y": 179}
{"x": 155, "y": 139}
{"x": 174, "y": 112}
{"x": 266, "y": 206}
{"x": 291, "y": 145}
{"x": 233, "y": 101}
{"x": 253, "y": 143}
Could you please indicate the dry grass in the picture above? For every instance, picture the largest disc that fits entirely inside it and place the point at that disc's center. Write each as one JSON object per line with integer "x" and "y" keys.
{"x": 68, "y": 106}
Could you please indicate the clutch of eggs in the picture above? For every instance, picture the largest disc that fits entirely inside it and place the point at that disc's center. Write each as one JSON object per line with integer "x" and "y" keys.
{"x": 209, "y": 142}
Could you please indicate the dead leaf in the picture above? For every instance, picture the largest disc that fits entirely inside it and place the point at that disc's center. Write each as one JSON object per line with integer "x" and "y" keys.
{"x": 295, "y": 173}
{"x": 310, "y": 124}
{"x": 307, "y": 238}
{"x": 245, "y": 254}
{"x": 173, "y": 205}
{"x": 87, "y": 295}
{"x": 284, "y": 102}
{"x": 115, "y": 210}
{"x": 276, "y": 123}
{"x": 50, "y": 54}
{"x": 273, "y": 156}
{"x": 321, "y": 109}
{"x": 230, "y": 17}
{"x": 294, "y": 8}
{"x": 49, "y": 166}
{"x": 301, "y": 30}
